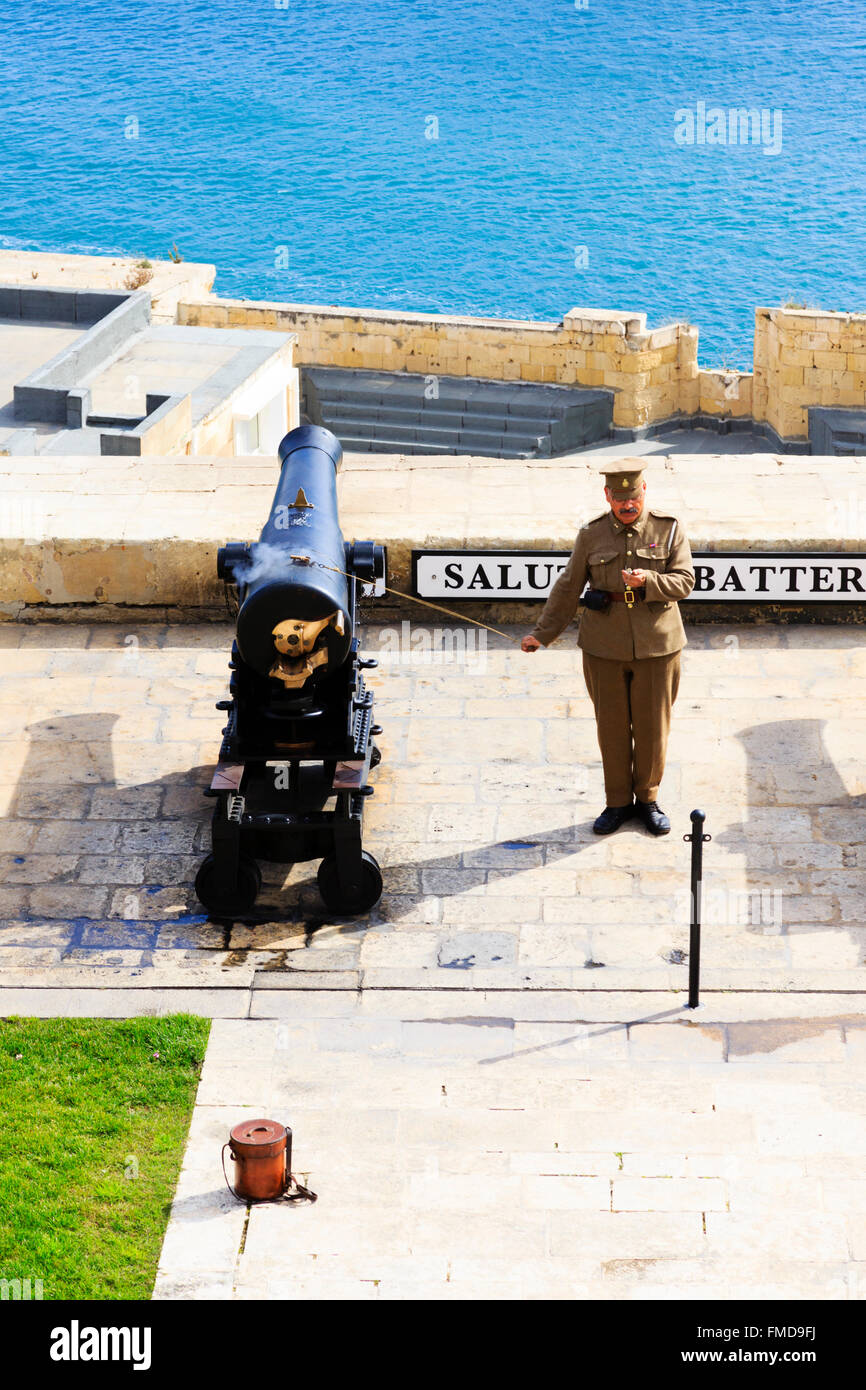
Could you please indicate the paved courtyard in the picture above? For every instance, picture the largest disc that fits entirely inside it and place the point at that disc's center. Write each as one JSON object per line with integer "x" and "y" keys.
{"x": 481, "y": 818}
{"x": 535, "y": 1145}
{"x": 494, "y": 1083}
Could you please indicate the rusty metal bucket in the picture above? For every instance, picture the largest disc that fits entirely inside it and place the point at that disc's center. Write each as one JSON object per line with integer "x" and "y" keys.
{"x": 262, "y": 1151}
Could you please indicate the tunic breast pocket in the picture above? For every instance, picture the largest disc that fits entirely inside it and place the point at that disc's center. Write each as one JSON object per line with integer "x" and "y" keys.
{"x": 604, "y": 568}
{"x": 652, "y": 557}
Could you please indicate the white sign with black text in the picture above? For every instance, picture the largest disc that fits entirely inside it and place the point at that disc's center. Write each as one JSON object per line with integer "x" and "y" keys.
{"x": 734, "y": 577}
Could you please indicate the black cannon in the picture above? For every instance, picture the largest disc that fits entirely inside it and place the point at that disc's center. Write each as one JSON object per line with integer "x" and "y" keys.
{"x": 300, "y": 719}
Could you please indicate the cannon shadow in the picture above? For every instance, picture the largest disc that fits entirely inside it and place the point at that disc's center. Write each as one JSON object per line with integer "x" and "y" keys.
{"x": 141, "y": 841}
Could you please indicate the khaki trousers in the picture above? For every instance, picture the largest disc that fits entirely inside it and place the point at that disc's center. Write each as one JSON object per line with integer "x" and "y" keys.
{"x": 632, "y": 702}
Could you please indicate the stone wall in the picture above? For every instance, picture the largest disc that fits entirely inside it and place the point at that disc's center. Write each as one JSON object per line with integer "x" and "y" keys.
{"x": 650, "y": 372}
{"x": 165, "y": 281}
{"x": 725, "y": 393}
{"x": 213, "y": 434}
{"x": 106, "y": 535}
{"x": 802, "y": 357}
{"x": 806, "y": 357}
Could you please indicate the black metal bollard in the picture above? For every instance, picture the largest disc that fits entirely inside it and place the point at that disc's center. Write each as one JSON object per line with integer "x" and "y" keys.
{"x": 697, "y": 839}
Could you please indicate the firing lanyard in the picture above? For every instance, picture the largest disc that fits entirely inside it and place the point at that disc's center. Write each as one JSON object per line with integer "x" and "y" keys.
{"x": 425, "y": 603}
{"x": 461, "y": 617}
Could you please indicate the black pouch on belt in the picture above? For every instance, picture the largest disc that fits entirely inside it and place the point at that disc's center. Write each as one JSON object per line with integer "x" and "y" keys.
{"x": 597, "y": 599}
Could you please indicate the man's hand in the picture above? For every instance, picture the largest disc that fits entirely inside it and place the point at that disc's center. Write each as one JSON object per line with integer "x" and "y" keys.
{"x": 530, "y": 643}
{"x": 634, "y": 579}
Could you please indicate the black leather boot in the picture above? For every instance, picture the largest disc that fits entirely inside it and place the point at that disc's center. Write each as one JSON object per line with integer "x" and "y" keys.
{"x": 612, "y": 817}
{"x": 653, "y": 817}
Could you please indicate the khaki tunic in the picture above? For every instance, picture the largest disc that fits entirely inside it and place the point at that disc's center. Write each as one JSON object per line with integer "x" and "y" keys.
{"x": 604, "y": 547}
{"x": 631, "y": 656}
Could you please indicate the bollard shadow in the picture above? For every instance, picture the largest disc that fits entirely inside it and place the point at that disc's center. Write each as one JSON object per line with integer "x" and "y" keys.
{"x": 593, "y": 1030}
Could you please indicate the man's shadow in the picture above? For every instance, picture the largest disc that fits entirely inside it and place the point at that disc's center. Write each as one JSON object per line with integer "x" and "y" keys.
{"x": 799, "y": 810}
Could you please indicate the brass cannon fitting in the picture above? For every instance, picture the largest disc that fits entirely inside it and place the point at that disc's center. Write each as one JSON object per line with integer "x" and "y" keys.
{"x": 298, "y": 654}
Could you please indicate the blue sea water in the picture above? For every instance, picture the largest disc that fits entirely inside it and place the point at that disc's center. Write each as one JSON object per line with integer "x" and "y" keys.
{"x": 504, "y": 157}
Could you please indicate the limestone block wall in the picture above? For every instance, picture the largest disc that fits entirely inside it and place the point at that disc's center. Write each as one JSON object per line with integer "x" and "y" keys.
{"x": 807, "y": 357}
{"x": 166, "y": 282}
{"x": 725, "y": 393}
{"x": 801, "y": 357}
{"x": 650, "y": 372}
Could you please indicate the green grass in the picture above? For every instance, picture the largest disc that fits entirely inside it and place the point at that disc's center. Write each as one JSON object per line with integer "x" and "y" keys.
{"x": 93, "y": 1129}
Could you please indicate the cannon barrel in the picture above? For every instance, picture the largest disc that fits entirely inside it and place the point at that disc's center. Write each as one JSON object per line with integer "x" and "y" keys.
{"x": 298, "y": 701}
{"x": 294, "y": 621}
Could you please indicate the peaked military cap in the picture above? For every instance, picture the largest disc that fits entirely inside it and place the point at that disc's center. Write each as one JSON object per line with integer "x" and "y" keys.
{"x": 624, "y": 478}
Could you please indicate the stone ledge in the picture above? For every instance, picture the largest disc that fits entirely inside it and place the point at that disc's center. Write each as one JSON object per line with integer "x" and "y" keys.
{"x": 143, "y": 533}
{"x": 170, "y": 281}
{"x": 353, "y": 316}
{"x": 805, "y": 1013}
{"x": 621, "y": 324}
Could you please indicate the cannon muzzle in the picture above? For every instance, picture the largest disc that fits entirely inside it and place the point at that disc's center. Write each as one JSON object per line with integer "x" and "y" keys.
{"x": 294, "y": 619}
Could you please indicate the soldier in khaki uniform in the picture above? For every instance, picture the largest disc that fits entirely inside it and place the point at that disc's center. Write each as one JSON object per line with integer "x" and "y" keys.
{"x": 631, "y": 646}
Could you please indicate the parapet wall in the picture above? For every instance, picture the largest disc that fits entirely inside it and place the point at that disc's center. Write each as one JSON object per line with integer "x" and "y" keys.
{"x": 802, "y": 357}
{"x": 651, "y": 372}
{"x": 166, "y": 281}
{"x": 100, "y": 538}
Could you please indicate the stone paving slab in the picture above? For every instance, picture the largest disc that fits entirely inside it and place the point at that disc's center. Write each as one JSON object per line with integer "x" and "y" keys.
{"x": 104, "y": 1002}
{"x": 494, "y": 1082}
{"x": 446, "y": 1172}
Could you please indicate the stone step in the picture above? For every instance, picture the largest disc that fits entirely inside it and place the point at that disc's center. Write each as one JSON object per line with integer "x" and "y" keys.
{"x": 488, "y": 418}
{"x": 388, "y": 413}
{"x": 359, "y": 444}
{"x": 450, "y": 402}
{"x": 475, "y": 434}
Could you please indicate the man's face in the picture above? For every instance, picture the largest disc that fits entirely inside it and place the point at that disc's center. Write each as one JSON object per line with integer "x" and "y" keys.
{"x": 626, "y": 509}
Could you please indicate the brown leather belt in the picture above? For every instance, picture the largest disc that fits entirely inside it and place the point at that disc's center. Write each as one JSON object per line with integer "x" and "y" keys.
{"x": 639, "y": 595}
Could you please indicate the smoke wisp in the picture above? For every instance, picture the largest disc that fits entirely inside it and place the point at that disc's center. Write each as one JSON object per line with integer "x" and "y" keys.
{"x": 266, "y": 562}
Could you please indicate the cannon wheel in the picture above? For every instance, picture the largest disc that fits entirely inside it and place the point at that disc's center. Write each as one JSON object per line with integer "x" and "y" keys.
{"x": 375, "y": 756}
{"x": 368, "y": 895}
{"x": 227, "y": 904}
